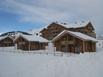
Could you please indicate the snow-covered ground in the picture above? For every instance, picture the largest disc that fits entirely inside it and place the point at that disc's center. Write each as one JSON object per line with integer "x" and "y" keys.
{"x": 43, "y": 65}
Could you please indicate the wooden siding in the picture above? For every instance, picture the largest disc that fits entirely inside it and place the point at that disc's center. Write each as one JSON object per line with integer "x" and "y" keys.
{"x": 6, "y": 42}
{"x": 68, "y": 43}
{"x": 23, "y": 44}
{"x": 54, "y": 29}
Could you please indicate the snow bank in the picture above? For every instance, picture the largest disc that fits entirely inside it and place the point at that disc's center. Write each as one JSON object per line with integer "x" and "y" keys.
{"x": 7, "y": 48}
{"x": 36, "y": 65}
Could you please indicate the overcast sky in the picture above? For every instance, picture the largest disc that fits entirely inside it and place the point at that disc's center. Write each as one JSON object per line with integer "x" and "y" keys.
{"x": 28, "y": 14}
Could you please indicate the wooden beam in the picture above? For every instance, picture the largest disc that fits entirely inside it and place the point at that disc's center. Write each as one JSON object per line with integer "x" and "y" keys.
{"x": 29, "y": 46}
{"x": 66, "y": 43}
{"x": 83, "y": 46}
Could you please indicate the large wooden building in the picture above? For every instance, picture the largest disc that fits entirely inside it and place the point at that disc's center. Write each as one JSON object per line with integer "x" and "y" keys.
{"x": 76, "y": 42}
{"x": 30, "y": 42}
{"x": 52, "y": 30}
{"x": 55, "y": 28}
{"x": 6, "y": 41}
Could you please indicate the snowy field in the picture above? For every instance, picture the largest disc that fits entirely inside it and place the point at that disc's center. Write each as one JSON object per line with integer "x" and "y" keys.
{"x": 43, "y": 65}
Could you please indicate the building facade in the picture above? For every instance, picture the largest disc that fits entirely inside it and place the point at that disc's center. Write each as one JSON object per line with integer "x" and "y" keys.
{"x": 55, "y": 28}
{"x": 28, "y": 42}
{"x": 76, "y": 42}
{"x": 52, "y": 30}
{"x": 6, "y": 41}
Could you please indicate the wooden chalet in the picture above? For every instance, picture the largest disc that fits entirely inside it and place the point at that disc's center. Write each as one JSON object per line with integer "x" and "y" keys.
{"x": 6, "y": 41}
{"x": 76, "y": 42}
{"x": 30, "y": 42}
{"x": 55, "y": 28}
{"x": 52, "y": 30}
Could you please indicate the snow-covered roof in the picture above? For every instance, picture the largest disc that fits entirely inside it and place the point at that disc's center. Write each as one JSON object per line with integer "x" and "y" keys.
{"x": 3, "y": 37}
{"x": 75, "y": 25}
{"x": 67, "y": 25}
{"x": 76, "y": 34}
{"x": 32, "y": 38}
